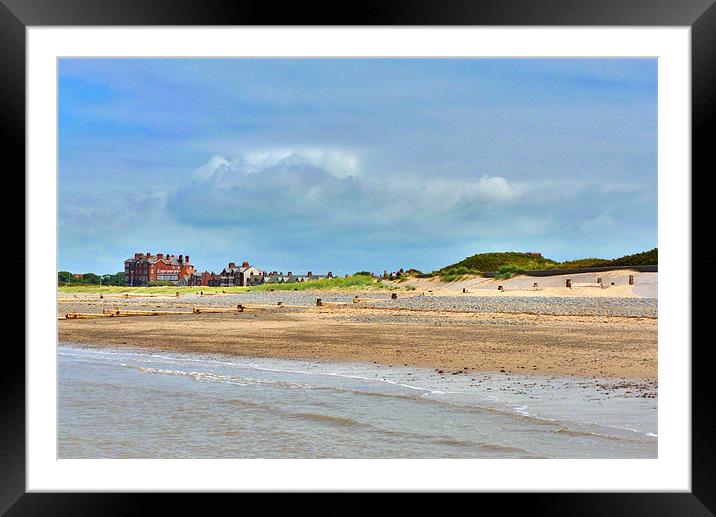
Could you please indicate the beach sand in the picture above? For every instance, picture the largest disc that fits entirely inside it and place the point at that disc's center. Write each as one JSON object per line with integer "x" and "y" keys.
{"x": 454, "y": 342}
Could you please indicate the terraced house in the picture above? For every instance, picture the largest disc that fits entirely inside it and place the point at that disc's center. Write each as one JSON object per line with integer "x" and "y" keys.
{"x": 146, "y": 269}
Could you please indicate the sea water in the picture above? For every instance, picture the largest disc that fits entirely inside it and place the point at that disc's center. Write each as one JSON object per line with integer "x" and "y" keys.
{"x": 118, "y": 403}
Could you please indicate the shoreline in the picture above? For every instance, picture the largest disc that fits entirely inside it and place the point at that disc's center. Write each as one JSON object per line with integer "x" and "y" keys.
{"x": 622, "y": 387}
{"x": 452, "y": 342}
{"x": 356, "y": 409}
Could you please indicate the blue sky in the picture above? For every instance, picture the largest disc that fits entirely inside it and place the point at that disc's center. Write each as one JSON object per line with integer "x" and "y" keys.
{"x": 353, "y": 164}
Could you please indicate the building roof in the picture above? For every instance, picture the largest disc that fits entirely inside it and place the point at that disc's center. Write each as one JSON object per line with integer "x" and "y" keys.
{"x": 242, "y": 269}
{"x": 153, "y": 259}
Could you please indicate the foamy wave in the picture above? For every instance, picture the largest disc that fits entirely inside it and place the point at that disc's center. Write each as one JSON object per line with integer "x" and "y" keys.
{"x": 214, "y": 377}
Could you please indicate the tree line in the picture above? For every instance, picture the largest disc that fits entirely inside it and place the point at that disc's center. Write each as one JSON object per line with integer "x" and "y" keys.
{"x": 65, "y": 278}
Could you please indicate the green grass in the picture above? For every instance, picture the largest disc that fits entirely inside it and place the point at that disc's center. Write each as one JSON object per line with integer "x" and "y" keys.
{"x": 508, "y": 264}
{"x": 645, "y": 258}
{"x": 508, "y": 271}
{"x": 587, "y": 262}
{"x": 352, "y": 282}
{"x": 359, "y": 281}
{"x": 76, "y": 289}
{"x": 484, "y": 262}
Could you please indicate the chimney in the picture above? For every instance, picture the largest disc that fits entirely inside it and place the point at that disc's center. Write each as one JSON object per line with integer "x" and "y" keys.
{"x": 160, "y": 255}
{"x": 186, "y": 259}
{"x": 232, "y": 265}
{"x": 181, "y": 258}
{"x": 149, "y": 254}
{"x": 136, "y": 255}
{"x": 310, "y": 274}
{"x": 245, "y": 264}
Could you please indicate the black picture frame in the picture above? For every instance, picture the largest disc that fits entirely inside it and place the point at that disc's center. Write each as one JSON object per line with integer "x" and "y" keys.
{"x": 16, "y": 15}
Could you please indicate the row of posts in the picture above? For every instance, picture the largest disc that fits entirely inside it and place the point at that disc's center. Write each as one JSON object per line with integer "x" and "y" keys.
{"x": 599, "y": 281}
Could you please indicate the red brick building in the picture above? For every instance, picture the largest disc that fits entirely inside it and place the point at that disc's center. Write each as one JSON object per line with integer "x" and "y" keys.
{"x": 205, "y": 279}
{"x": 144, "y": 269}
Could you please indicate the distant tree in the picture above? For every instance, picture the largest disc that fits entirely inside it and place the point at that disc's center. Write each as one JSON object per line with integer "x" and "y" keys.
{"x": 69, "y": 278}
{"x": 63, "y": 277}
{"x": 90, "y": 278}
{"x": 115, "y": 279}
{"x": 363, "y": 273}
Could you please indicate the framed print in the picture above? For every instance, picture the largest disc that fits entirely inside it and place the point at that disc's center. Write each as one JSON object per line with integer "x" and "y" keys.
{"x": 413, "y": 251}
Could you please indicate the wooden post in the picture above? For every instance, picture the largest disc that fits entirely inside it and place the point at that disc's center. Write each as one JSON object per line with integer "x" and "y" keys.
{"x": 534, "y": 285}
{"x": 500, "y": 288}
{"x": 318, "y": 302}
{"x": 279, "y": 303}
{"x": 569, "y": 283}
{"x": 240, "y": 307}
{"x": 631, "y": 279}
{"x": 393, "y": 296}
{"x": 599, "y": 280}
{"x": 464, "y": 290}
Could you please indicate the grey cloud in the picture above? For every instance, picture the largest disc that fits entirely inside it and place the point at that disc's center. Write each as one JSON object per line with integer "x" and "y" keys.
{"x": 293, "y": 202}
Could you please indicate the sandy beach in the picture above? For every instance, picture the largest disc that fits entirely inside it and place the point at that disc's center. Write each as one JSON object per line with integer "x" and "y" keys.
{"x": 614, "y": 337}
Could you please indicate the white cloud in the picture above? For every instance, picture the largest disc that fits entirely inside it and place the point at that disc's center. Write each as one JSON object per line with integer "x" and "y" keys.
{"x": 338, "y": 163}
{"x": 312, "y": 188}
{"x": 207, "y": 170}
{"x": 495, "y": 188}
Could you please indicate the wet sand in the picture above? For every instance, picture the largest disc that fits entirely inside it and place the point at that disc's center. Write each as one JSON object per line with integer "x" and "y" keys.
{"x": 452, "y": 342}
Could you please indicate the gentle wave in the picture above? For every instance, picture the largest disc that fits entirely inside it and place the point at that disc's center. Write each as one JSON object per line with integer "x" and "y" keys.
{"x": 427, "y": 395}
{"x": 241, "y": 381}
{"x": 318, "y": 417}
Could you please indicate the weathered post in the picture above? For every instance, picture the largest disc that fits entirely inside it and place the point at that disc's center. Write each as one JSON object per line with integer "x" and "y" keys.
{"x": 599, "y": 280}
{"x": 393, "y": 296}
{"x": 569, "y": 283}
{"x": 464, "y": 290}
{"x": 631, "y": 279}
{"x": 240, "y": 307}
{"x": 535, "y": 285}
{"x": 318, "y": 302}
{"x": 500, "y": 288}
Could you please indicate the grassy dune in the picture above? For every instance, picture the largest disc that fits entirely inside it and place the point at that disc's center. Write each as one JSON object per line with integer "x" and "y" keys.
{"x": 511, "y": 263}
